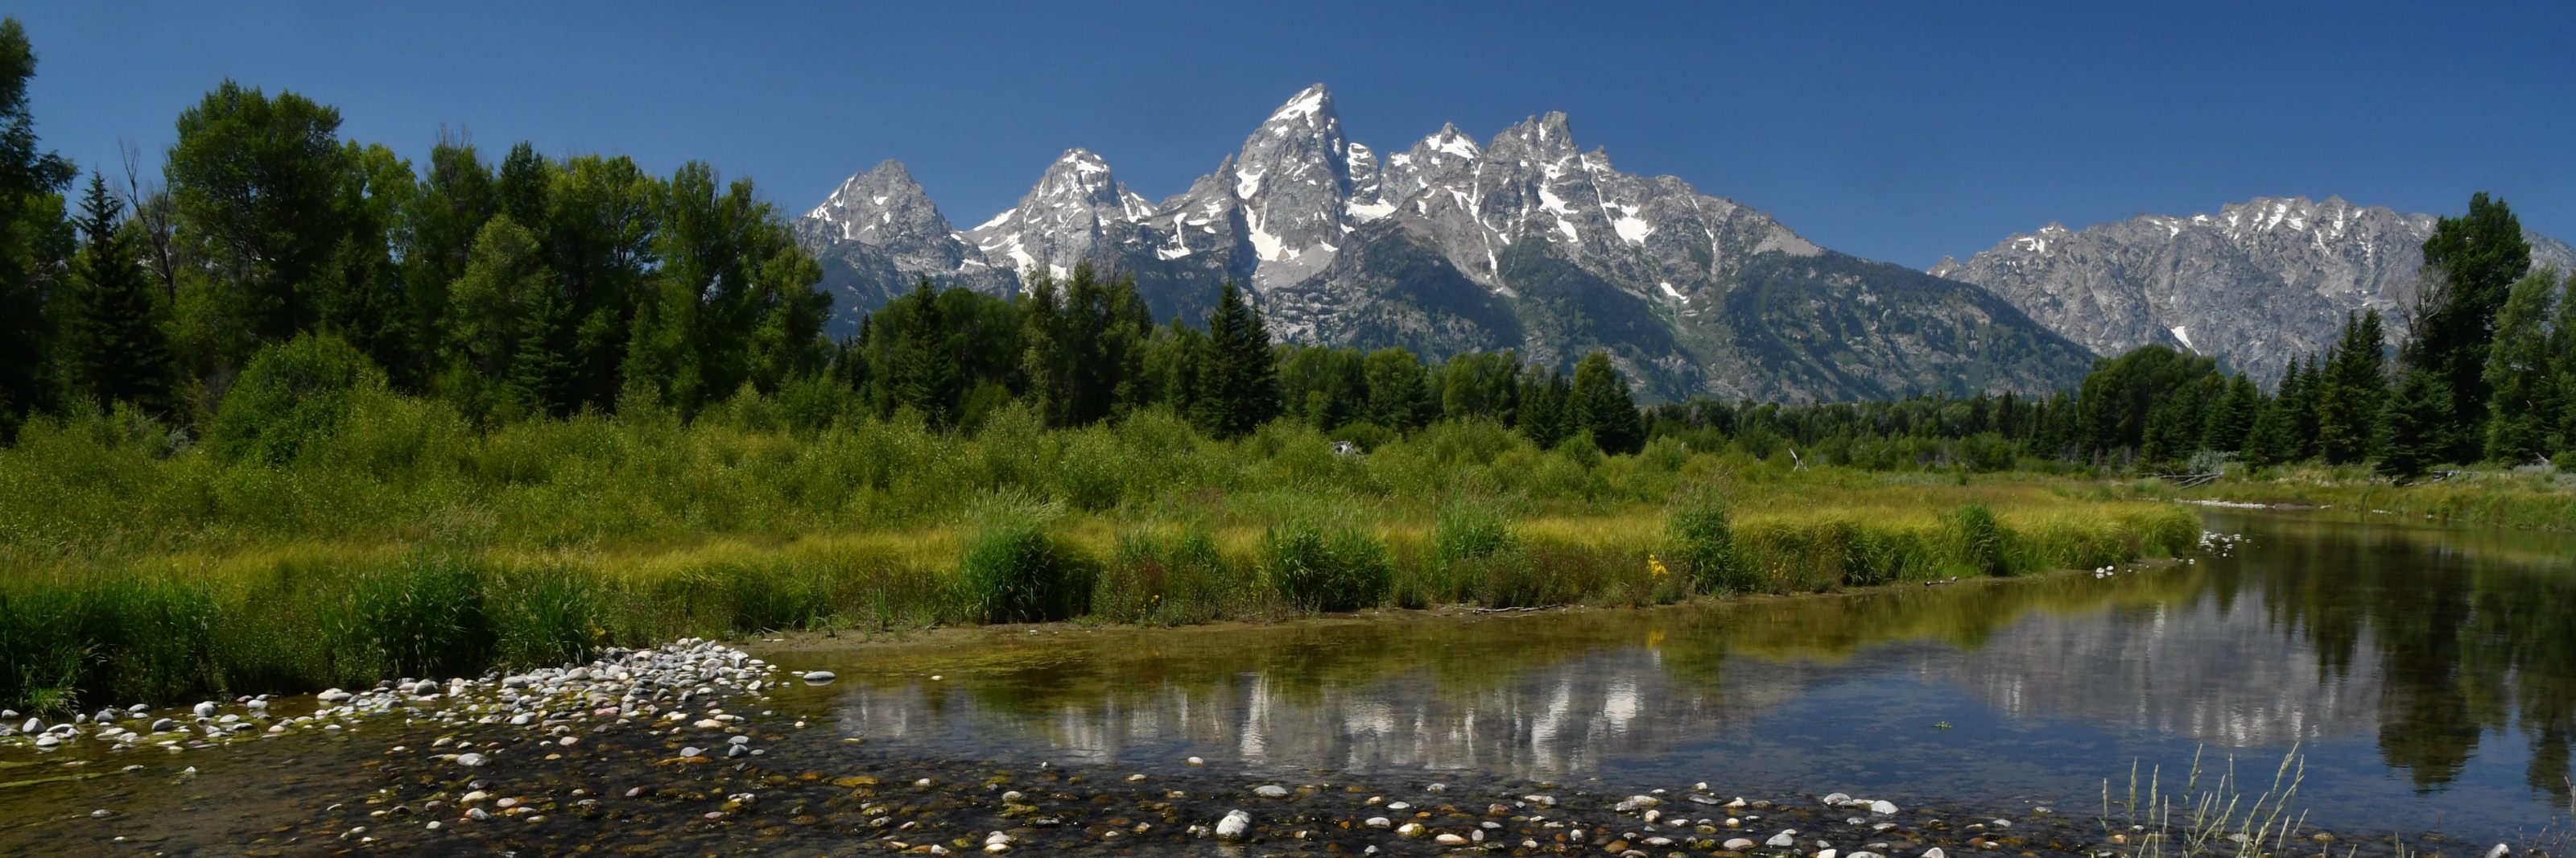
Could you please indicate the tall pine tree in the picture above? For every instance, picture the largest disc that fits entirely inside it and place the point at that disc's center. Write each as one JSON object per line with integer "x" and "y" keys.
{"x": 2411, "y": 442}
{"x": 2349, "y": 396}
{"x": 113, "y": 347}
{"x": 2231, "y": 416}
{"x": 1239, "y": 383}
{"x": 2299, "y": 396}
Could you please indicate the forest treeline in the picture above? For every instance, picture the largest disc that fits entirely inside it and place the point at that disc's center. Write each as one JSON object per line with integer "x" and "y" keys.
{"x": 271, "y": 263}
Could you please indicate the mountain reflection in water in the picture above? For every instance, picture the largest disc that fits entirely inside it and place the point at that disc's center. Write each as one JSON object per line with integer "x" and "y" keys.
{"x": 2429, "y": 677}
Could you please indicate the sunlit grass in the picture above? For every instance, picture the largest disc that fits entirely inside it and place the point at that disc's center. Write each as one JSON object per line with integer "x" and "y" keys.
{"x": 409, "y": 544}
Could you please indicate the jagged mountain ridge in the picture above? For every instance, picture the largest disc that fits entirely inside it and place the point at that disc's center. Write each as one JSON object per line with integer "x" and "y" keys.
{"x": 2258, "y": 284}
{"x": 1525, "y": 242}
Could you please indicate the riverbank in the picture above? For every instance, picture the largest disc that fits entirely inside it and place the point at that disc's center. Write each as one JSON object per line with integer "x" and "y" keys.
{"x": 305, "y": 615}
{"x": 2517, "y": 499}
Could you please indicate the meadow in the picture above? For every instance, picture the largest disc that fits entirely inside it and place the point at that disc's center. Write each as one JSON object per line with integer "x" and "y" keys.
{"x": 135, "y": 567}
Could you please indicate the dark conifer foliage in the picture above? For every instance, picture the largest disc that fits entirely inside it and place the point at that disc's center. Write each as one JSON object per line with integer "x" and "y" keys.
{"x": 113, "y": 347}
{"x": 1238, "y": 389}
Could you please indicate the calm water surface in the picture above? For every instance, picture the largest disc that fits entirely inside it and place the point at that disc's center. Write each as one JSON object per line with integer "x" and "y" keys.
{"x": 2427, "y": 676}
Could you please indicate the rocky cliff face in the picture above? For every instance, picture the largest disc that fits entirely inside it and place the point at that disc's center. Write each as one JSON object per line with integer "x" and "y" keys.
{"x": 877, "y": 234}
{"x": 1525, "y": 242}
{"x": 2257, "y": 284}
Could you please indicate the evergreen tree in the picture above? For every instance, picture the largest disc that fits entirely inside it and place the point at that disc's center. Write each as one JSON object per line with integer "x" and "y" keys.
{"x": 2269, "y": 442}
{"x": 1600, "y": 404}
{"x": 1545, "y": 418}
{"x": 1238, "y": 389}
{"x": 2231, "y": 417}
{"x": 2411, "y": 443}
{"x": 2348, "y": 398}
{"x": 113, "y": 347}
{"x": 33, "y": 237}
{"x": 2299, "y": 397}
{"x": 2471, "y": 263}
{"x": 1084, "y": 346}
{"x": 2520, "y": 375}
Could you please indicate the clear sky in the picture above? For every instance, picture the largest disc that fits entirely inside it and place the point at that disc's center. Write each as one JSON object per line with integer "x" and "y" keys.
{"x": 1899, "y": 131}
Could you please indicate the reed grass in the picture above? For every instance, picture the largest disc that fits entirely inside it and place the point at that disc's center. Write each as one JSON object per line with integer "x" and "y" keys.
{"x": 2217, "y": 819}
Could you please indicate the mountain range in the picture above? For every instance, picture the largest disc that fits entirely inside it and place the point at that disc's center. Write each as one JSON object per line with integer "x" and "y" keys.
{"x": 1528, "y": 242}
{"x": 2258, "y": 284}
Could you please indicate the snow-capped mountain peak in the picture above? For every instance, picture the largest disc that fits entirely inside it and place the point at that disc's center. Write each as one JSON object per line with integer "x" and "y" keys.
{"x": 1524, "y": 242}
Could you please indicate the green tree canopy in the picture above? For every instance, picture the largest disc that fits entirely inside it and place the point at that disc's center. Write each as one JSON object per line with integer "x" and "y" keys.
{"x": 255, "y": 180}
{"x": 2471, "y": 263}
{"x": 33, "y": 236}
{"x": 2521, "y": 375}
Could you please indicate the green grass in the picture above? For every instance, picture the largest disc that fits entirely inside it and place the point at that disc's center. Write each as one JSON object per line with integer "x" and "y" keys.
{"x": 404, "y": 543}
{"x": 2486, "y": 497}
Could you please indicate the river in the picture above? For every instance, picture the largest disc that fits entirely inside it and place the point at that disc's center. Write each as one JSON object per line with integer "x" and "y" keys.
{"x": 2424, "y": 678}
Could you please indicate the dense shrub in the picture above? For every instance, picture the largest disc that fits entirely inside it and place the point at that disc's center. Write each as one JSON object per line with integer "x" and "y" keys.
{"x": 292, "y": 395}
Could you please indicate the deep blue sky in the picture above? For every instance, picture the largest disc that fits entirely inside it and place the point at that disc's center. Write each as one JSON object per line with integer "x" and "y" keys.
{"x": 1893, "y": 131}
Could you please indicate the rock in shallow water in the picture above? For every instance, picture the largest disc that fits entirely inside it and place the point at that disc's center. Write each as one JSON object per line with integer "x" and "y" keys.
{"x": 820, "y": 676}
{"x": 1234, "y": 826}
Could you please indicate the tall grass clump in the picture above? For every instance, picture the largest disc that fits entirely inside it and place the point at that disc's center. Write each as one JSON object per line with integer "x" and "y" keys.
{"x": 1468, "y": 543}
{"x": 1701, "y": 540}
{"x": 1015, "y": 571}
{"x": 1171, "y": 578}
{"x": 1318, "y": 569}
{"x": 424, "y": 615}
{"x": 1981, "y": 541}
{"x": 548, "y": 615}
{"x": 131, "y": 639}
